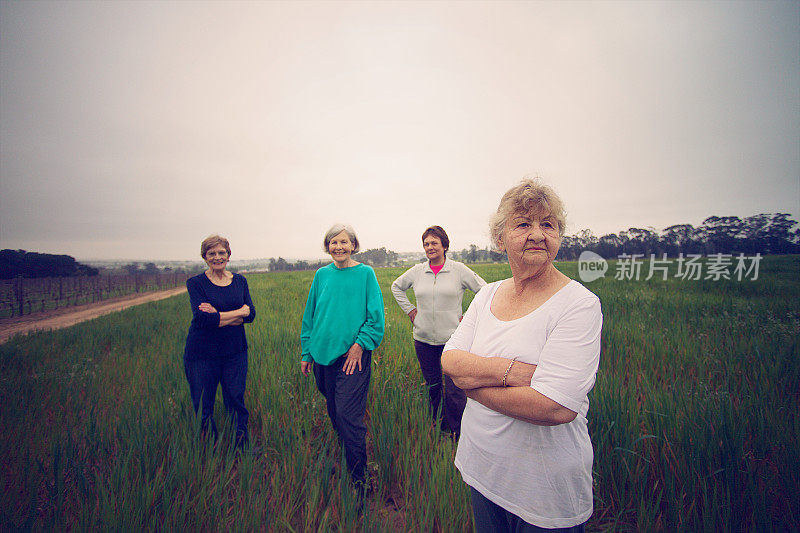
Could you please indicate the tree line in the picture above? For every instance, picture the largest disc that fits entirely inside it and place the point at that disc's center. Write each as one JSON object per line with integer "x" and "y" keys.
{"x": 473, "y": 254}
{"x": 774, "y": 234}
{"x": 376, "y": 257}
{"x": 19, "y": 263}
{"x": 282, "y": 265}
{"x": 765, "y": 234}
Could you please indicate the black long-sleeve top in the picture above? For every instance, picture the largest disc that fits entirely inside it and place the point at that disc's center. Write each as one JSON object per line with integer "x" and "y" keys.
{"x": 206, "y": 339}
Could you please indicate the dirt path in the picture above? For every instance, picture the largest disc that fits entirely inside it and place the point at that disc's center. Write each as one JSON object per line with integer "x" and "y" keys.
{"x": 68, "y": 316}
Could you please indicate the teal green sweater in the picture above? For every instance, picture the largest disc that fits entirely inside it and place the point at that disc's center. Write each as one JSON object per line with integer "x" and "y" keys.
{"x": 344, "y": 306}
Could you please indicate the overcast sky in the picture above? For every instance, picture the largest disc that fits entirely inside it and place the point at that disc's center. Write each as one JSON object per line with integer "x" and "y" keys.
{"x": 133, "y": 130}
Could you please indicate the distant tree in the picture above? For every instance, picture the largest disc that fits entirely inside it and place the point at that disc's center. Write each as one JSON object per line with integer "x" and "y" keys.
{"x": 630, "y": 245}
{"x": 472, "y": 254}
{"x": 586, "y": 239}
{"x": 85, "y": 270}
{"x": 795, "y": 237}
{"x": 721, "y": 233}
{"x": 608, "y": 246}
{"x": 14, "y": 263}
{"x": 278, "y": 266}
{"x": 11, "y": 262}
{"x": 150, "y": 268}
{"x": 754, "y": 233}
{"x": 680, "y": 238}
{"x": 570, "y": 248}
{"x": 497, "y": 257}
{"x": 779, "y": 236}
{"x": 641, "y": 241}
{"x": 132, "y": 268}
{"x": 376, "y": 257}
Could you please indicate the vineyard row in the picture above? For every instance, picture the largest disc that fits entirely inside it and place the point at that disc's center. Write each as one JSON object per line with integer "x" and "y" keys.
{"x": 23, "y": 296}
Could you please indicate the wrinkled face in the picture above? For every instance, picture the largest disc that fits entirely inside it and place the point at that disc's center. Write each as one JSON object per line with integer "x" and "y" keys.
{"x": 433, "y": 249}
{"x": 217, "y": 257}
{"x": 531, "y": 239}
{"x": 340, "y": 247}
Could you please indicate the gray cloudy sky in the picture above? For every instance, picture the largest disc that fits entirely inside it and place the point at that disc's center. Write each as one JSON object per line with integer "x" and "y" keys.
{"x": 135, "y": 129}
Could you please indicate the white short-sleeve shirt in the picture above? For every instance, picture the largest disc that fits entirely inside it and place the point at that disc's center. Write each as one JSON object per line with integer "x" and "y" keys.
{"x": 543, "y": 474}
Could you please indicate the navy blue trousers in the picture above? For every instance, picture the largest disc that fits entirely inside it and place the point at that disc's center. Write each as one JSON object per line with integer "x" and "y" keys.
{"x": 204, "y": 375}
{"x": 346, "y": 400}
{"x": 491, "y": 518}
{"x": 455, "y": 399}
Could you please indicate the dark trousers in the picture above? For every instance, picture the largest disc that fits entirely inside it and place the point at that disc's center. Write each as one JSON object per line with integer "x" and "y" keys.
{"x": 346, "y": 400}
{"x": 231, "y": 373}
{"x": 491, "y": 518}
{"x": 430, "y": 362}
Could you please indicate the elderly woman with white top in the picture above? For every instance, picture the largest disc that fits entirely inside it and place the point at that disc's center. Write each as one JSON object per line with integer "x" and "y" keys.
{"x": 526, "y": 354}
{"x": 439, "y": 284}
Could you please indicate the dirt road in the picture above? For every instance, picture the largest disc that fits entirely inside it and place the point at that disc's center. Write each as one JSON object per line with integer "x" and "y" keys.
{"x": 68, "y": 316}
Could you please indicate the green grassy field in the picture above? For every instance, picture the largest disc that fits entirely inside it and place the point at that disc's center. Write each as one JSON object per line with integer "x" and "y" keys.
{"x": 694, "y": 419}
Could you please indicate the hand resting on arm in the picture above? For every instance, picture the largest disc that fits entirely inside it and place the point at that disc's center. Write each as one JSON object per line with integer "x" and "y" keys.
{"x": 482, "y": 380}
{"x": 227, "y": 318}
{"x": 469, "y": 371}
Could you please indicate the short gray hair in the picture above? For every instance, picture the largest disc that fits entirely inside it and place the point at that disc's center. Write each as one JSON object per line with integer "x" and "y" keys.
{"x": 529, "y": 195}
{"x": 335, "y": 230}
{"x": 211, "y": 241}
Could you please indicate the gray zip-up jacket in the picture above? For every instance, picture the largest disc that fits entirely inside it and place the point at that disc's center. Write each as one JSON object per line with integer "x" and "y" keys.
{"x": 439, "y": 298}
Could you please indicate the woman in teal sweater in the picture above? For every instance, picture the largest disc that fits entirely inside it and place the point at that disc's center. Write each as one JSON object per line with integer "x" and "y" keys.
{"x": 342, "y": 324}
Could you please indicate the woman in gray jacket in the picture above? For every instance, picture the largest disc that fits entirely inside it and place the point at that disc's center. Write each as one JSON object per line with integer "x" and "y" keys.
{"x": 438, "y": 286}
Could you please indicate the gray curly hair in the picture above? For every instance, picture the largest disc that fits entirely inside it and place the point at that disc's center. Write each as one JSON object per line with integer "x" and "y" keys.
{"x": 529, "y": 195}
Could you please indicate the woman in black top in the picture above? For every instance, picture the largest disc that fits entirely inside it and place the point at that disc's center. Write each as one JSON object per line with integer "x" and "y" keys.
{"x": 216, "y": 346}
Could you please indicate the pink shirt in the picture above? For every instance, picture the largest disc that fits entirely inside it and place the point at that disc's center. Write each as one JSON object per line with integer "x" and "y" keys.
{"x": 436, "y": 268}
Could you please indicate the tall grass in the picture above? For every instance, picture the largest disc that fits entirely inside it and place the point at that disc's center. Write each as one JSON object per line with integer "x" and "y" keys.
{"x": 693, "y": 419}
